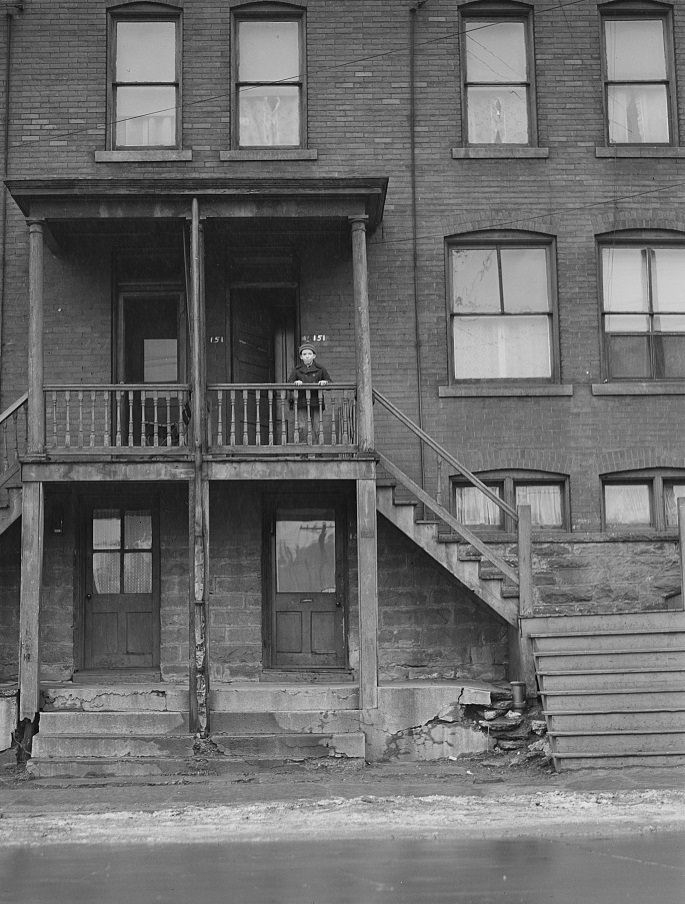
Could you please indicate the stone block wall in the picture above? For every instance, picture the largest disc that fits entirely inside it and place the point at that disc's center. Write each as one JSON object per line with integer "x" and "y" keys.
{"x": 10, "y": 580}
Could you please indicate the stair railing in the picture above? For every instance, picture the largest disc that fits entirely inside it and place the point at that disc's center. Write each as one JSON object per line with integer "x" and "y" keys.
{"x": 520, "y": 517}
{"x": 13, "y": 438}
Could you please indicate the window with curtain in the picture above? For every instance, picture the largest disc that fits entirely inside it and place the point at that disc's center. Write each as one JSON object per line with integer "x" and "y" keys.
{"x": 637, "y": 77}
{"x": 500, "y": 309}
{"x": 497, "y": 80}
{"x": 643, "y": 311}
{"x": 546, "y": 495}
{"x": 145, "y": 82}
{"x": 643, "y": 498}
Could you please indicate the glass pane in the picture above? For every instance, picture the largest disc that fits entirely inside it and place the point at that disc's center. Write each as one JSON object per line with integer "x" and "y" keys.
{"x": 474, "y": 507}
{"x": 138, "y": 572}
{"x": 160, "y": 361}
{"x": 668, "y": 279}
{"x": 624, "y": 279}
{"x": 629, "y": 357}
{"x": 269, "y": 51}
{"x": 499, "y": 347}
{"x": 672, "y": 493}
{"x": 524, "y": 279}
{"x": 269, "y": 116}
{"x": 670, "y": 355}
{"x": 106, "y": 529}
{"x": 626, "y": 323}
{"x": 138, "y": 530}
{"x": 146, "y": 117}
{"x": 305, "y": 553}
{"x": 475, "y": 281}
{"x": 495, "y": 51}
{"x": 635, "y": 49}
{"x": 669, "y": 323}
{"x": 627, "y": 503}
{"x": 498, "y": 115}
{"x": 638, "y": 114}
{"x": 544, "y": 501}
{"x": 106, "y": 572}
{"x": 146, "y": 52}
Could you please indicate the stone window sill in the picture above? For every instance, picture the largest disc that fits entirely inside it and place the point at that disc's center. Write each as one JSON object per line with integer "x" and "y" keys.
{"x": 638, "y": 389}
{"x": 156, "y": 155}
{"x": 639, "y": 151}
{"x": 266, "y": 154}
{"x": 497, "y": 151}
{"x": 478, "y": 390}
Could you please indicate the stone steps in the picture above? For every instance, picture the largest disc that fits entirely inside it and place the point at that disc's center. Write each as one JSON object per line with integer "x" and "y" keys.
{"x": 253, "y": 697}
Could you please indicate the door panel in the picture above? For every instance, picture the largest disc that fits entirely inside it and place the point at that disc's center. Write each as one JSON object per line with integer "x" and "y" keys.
{"x": 121, "y": 610}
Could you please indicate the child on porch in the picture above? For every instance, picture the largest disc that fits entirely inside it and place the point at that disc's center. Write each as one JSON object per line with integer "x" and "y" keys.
{"x": 308, "y": 373}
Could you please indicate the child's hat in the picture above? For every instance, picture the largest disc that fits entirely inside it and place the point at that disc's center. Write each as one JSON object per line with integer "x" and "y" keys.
{"x": 306, "y": 345}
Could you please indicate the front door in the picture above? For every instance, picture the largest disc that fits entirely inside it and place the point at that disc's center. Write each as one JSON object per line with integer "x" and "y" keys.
{"x": 121, "y": 605}
{"x": 308, "y": 585}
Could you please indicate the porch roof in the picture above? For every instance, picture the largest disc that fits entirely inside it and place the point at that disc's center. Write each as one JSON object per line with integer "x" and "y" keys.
{"x": 62, "y": 199}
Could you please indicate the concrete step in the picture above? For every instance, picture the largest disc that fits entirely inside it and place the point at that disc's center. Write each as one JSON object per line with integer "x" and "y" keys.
{"x": 266, "y": 698}
{"x": 91, "y": 746}
{"x": 619, "y": 742}
{"x": 291, "y": 747}
{"x": 237, "y": 724}
{"x": 608, "y": 700}
{"x": 637, "y": 621}
{"x": 604, "y": 641}
{"x": 571, "y": 660}
{"x": 654, "y": 759}
{"x": 626, "y": 720}
{"x": 80, "y": 723}
{"x": 153, "y": 697}
{"x": 601, "y": 679}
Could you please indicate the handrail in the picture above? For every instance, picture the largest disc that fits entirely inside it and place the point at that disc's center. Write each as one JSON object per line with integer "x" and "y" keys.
{"x": 15, "y": 406}
{"x": 290, "y": 386}
{"x": 124, "y": 387}
{"x": 12, "y": 442}
{"x": 449, "y": 458}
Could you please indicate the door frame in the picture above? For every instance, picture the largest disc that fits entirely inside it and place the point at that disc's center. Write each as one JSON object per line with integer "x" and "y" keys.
{"x": 308, "y": 498}
{"x": 136, "y": 498}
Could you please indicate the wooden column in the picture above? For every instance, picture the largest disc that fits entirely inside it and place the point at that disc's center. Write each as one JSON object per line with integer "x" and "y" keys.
{"x": 681, "y": 537}
{"x": 522, "y": 662}
{"x": 29, "y": 605}
{"x": 36, "y": 405}
{"x": 362, "y": 334}
{"x": 199, "y": 493}
{"x": 368, "y": 594}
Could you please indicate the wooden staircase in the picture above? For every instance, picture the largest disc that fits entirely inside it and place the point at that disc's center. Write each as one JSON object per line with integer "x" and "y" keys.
{"x": 612, "y": 687}
{"x": 12, "y": 444}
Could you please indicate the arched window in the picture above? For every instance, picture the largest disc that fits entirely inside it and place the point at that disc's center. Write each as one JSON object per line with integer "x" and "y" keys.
{"x": 644, "y": 498}
{"x": 546, "y": 494}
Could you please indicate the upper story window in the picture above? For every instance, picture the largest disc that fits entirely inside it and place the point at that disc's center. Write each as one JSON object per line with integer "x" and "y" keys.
{"x": 638, "y": 77}
{"x": 643, "y": 311}
{"x": 546, "y": 494}
{"x": 501, "y": 310}
{"x": 498, "y": 75}
{"x": 145, "y": 85}
{"x": 269, "y": 79}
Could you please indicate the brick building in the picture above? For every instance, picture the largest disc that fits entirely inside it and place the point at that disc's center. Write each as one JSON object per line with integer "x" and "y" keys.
{"x": 474, "y": 211}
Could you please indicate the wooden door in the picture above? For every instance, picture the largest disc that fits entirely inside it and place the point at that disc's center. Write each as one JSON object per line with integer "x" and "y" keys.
{"x": 308, "y": 586}
{"x": 121, "y": 606}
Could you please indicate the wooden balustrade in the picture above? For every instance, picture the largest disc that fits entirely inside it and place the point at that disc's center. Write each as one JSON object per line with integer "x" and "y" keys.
{"x": 153, "y": 416}
{"x": 13, "y": 437}
{"x": 280, "y": 414}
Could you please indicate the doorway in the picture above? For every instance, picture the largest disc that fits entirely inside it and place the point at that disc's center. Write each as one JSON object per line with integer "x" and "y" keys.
{"x": 306, "y": 577}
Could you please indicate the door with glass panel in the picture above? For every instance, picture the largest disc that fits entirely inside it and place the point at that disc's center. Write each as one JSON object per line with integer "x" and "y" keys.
{"x": 308, "y": 585}
{"x": 121, "y": 605}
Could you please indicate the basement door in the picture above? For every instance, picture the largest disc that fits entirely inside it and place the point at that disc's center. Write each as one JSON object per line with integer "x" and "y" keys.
{"x": 308, "y": 586}
{"x": 121, "y": 605}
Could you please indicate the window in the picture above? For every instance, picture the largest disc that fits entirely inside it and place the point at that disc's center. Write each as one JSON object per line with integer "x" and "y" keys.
{"x": 546, "y": 494}
{"x": 500, "y": 309}
{"x": 145, "y": 84}
{"x": 643, "y": 298}
{"x": 497, "y": 79}
{"x": 637, "y": 77}
{"x": 643, "y": 499}
{"x": 269, "y": 83}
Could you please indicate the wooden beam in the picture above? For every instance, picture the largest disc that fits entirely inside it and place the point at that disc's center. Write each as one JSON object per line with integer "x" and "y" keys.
{"x": 681, "y": 537}
{"x": 29, "y": 600}
{"x": 36, "y": 405}
{"x": 367, "y": 558}
{"x": 365, "y": 439}
{"x": 521, "y": 659}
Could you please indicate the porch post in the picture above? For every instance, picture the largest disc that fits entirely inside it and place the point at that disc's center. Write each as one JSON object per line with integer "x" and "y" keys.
{"x": 362, "y": 335}
{"x": 36, "y": 405}
{"x": 29, "y": 599}
{"x": 368, "y": 594}
{"x": 199, "y": 495}
{"x": 523, "y": 656}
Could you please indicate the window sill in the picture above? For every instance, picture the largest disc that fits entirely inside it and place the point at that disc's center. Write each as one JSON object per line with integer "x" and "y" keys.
{"x": 156, "y": 155}
{"x": 634, "y": 150}
{"x": 474, "y": 390}
{"x": 637, "y": 389}
{"x": 498, "y": 151}
{"x": 266, "y": 154}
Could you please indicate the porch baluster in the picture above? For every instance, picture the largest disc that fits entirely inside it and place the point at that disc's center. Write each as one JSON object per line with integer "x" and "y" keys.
{"x": 270, "y": 396}
{"x": 92, "y": 418}
{"x": 438, "y": 493}
{"x": 4, "y": 454}
{"x": 296, "y": 420}
{"x": 320, "y": 402}
{"x": 143, "y": 437}
{"x": 334, "y": 418}
{"x": 167, "y": 396}
{"x": 155, "y": 416}
{"x": 80, "y": 419}
{"x": 181, "y": 423}
{"x": 308, "y": 399}
{"x": 117, "y": 414}
{"x": 105, "y": 399}
{"x": 67, "y": 425}
{"x": 232, "y": 402}
{"x": 245, "y": 436}
{"x": 284, "y": 433}
{"x": 258, "y": 424}
{"x": 54, "y": 419}
{"x": 130, "y": 418}
{"x": 220, "y": 418}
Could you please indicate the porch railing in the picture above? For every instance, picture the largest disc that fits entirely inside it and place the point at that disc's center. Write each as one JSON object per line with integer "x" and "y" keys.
{"x": 13, "y": 437}
{"x": 116, "y": 416}
{"x": 252, "y": 415}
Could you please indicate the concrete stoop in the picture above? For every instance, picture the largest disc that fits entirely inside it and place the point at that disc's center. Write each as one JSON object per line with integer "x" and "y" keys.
{"x": 613, "y": 687}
